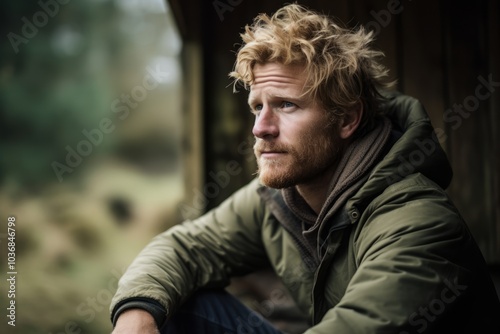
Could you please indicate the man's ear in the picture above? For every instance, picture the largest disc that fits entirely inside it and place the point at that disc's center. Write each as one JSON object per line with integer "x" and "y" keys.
{"x": 351, "y": 121}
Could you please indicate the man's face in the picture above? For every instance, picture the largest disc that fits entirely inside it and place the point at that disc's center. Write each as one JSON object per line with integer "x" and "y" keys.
{"x": 295, "y": 140}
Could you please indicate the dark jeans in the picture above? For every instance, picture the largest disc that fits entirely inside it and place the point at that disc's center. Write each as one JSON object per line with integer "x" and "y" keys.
{"x": 216, "y": 312}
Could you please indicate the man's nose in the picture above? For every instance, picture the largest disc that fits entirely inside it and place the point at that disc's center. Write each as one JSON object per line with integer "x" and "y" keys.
{"x": 266, "y": 124}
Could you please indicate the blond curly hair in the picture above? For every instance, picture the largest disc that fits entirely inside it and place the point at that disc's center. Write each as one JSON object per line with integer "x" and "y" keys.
{"x": 343, "y": 70}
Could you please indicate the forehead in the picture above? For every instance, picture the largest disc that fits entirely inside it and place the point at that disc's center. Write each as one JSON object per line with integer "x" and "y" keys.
{"x": 271, "y": 78}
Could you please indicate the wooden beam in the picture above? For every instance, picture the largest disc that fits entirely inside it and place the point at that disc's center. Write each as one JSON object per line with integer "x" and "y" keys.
{"x": 187, "y": 16}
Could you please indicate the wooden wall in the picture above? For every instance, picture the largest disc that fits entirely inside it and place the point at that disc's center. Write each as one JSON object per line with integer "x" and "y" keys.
{"x": 441, "y": 52}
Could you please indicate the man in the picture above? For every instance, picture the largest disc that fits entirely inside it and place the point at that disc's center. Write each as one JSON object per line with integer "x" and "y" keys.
{"x": 348, "y": 209}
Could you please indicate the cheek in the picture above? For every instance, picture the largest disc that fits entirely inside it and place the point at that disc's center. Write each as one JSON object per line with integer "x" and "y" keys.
{"x": 297, "y": 130}
{"x": 317, "y": 130}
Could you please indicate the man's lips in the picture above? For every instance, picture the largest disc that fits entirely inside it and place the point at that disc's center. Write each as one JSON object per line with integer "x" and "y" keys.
{"x": 271, "y": 154}
{"x": 266, "y": 150}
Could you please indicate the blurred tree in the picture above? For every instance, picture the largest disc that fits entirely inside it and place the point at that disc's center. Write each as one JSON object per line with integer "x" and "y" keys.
{"x": 66, "y": 67}
{"x": 52, "y": 85}
{"x": 101, "y": 79}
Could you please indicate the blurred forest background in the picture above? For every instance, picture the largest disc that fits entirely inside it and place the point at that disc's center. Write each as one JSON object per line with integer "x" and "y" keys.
{"x": 90, "y": 128}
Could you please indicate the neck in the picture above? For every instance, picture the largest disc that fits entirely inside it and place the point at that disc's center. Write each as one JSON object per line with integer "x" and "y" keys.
{"x": 315, "y": 192}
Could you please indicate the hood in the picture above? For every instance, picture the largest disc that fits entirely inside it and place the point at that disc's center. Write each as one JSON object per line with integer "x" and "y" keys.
{"x": 415, "y": 149}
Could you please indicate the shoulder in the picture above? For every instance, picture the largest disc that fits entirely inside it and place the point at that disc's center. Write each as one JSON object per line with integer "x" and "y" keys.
{"x": 412, "y": 187}
{"x": 412, "y": 213}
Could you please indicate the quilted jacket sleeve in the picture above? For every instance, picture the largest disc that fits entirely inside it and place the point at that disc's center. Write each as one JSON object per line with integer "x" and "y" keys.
{"x": 201, "y": 253}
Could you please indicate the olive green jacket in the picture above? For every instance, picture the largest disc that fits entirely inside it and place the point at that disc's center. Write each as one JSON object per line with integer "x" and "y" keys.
{"x": 397, "y": 259}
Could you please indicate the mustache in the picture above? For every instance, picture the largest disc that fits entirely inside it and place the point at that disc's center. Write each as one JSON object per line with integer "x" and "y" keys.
{"x": 264, "y": 146}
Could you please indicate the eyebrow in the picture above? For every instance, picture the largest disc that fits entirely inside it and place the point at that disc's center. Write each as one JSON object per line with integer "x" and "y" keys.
{"x": 299, "y": 100}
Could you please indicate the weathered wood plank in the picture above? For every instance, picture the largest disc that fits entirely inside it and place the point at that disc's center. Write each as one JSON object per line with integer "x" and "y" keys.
{"x": 422, "y": 59}
{"x": 468, "y": 117}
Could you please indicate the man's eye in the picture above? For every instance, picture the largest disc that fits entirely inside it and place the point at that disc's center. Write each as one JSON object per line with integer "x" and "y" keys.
{"x": 286, "y": 104}
{"x": 256, "y": 109}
